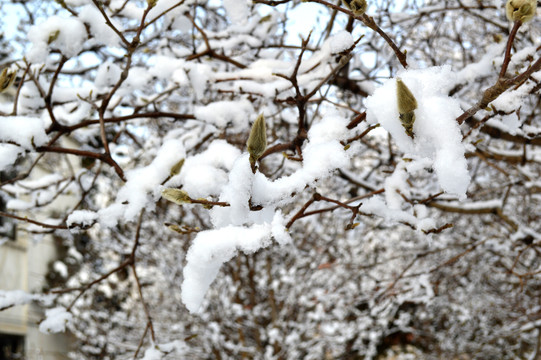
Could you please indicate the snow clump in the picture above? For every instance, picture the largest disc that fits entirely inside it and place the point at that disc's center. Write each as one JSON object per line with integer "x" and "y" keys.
{"x": 437, "y": 137}
{"x": 55, "y": 321}
{"x": 65, "y": 34}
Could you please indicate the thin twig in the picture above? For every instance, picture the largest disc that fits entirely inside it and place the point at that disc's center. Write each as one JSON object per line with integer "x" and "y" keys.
{"x": 493, "y": 92}
{"x": 139, "y": 288}
{"x": 369, "y": 22}
{"x": 25, "y": 219}
{"x": 510, "y": 40}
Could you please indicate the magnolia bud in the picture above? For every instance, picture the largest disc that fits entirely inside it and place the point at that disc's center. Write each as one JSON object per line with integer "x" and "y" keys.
{"x": 177, "y": 196}
{"x": 257, "y": 141}
{"x": 175, "y": 170}
{"x": 520, "y": 10}
{"x": 53, "y": 36}
{"x": 406, "y": 106}
{"x": 357, "y": 6}
{"x": 176, "y": 228}
{"x": 7, "y": 77}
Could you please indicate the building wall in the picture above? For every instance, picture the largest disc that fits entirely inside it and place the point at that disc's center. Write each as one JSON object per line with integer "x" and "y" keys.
{"x": 14, "y": 276}
{"x": 23, "y": 266}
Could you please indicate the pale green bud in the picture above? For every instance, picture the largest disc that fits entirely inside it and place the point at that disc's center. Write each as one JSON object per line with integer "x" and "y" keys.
{"x": 357, "y": 6}
{"x": 175, "y": 170}
{"x": 176, "y": 228}
{"x": 520, "y": 10}
{"x": 406, "y": 101}
{"x": 177, "y": 196}
{"x": 406, "y": 106}
{"x": 152, "y": 3}
{"x": 7, "y": 77}
{"x": 182, "y": 229}
{"x": 497, "y": 38}
{"x": 53, "y": 36}
{"x": 257, "y": 141}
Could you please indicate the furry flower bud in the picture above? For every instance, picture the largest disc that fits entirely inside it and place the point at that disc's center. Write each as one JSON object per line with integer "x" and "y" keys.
{"x": 406, "y": 106}
{"x": 175, "y": 170}
{"x": 53, "y": 36}
{"x": 257, "y": 141}
{"x": 357, "y": 6}
{"x": 520, "y": 10}
{"x": 7, "y": 77}
{"x": 177, "y": 196}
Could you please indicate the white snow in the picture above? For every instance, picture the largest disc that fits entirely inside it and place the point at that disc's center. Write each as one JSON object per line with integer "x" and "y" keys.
{"x": 65, "y": 34}
{"x": 205, "y": 174}
{"x": 212, "y": 248}
{"x": 102, "y": 33}
{"x": 237, "y": 194}
{"x": 143, "y": 185}
{"x": 24, "y": 131}
{"x": 178, "y": 346}
{"x": 376, "y": 206}
{"x": 485, "y": 66}
{"x": 72, "y": 113}
{"x": 476, "y": 205}
{"x": 55, "y": 321}
{"x": 237, "y": 10}
{"x": 237, "y": 228}
{"x": 199, "y": 75}
{"x": 9, "y": 154}
{"x": 322, "y": 154}
{"x": 138, "y": 78}
{"x": 437, "y": 134}
{"x": 130, "y": 10}
{"x": 61, "y": 268}
{"x": 234, "y": 115}
{"x": 18, "y": 204}
{"x": 163, "y": 5}
{"x": 10, "y": 298}
{"x": 164, "y": 67}
{"x": 107, "y": 75}
{"x": 159, "y": 351}
{"x": 152, "y": 354}
{"x": 394, "y": 183}
{"x": 341, "y": 41}
{"x": 81, "y": 217}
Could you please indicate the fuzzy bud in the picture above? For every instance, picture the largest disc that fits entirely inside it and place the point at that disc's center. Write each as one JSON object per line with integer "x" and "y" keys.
{"x": 152, "y": 3}
{"x": 357, "y": 6}
{"x": 406, "y": 101}
{"x": 53, "y": 36}
{"x": 177, "y": 196}
{"x": 175, "y": 170}
{"x": 7, "y": 77}
{"x": 406, "y": 106}
{"x": 520, "y": 10}
{"x": 176, "y": 228}
{"x": 257, "y": 141}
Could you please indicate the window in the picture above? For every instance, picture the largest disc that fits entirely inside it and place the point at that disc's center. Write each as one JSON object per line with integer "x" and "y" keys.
{"x": 11, "y": 347}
